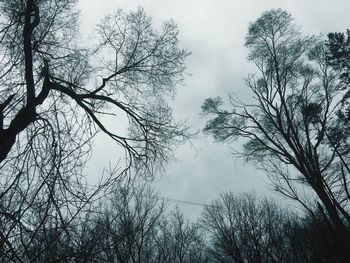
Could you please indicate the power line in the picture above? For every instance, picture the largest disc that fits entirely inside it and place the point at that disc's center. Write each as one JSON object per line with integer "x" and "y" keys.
{"x": 175, "y": 200}
{"x": 182, "y": 201}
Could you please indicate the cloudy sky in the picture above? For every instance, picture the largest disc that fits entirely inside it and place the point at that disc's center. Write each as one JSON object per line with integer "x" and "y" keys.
{"x": 214, "y": 31}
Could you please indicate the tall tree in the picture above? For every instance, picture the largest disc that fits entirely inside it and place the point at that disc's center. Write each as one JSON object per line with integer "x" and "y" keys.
{"x": 55, "y": 93}
{"x": 129, "y": 226}
{"x": 180, "y": 241}
{"x": 288, "y": 128}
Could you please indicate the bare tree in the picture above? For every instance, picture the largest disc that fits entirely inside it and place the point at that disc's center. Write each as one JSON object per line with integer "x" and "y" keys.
{"x": 133, "y": 227}
{"x": 288, "y": 128}
{"x": 244, "y": 229}
{"x": 55, "y": 93}
{"x": 126, "y": 230}
{"x": 180, "y": 241}
{"x": 137, "y": 229}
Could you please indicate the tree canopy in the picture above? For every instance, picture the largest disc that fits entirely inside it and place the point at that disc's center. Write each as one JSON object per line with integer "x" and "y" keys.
{"x": 56, "y": 89}
{"x": 291, "y": 128}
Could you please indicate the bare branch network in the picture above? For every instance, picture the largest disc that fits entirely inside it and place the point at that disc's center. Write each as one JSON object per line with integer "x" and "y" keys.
{"x": 55, "y": 94}
{"x": 295, "y": 129}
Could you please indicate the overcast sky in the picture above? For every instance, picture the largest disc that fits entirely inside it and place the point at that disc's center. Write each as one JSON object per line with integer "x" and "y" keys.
{"x": 214, "y": 31}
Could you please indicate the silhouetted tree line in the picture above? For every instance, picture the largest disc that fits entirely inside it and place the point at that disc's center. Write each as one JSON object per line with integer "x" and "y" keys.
{"x": 135, "y": 226}
{"x": 56, "y": 94}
